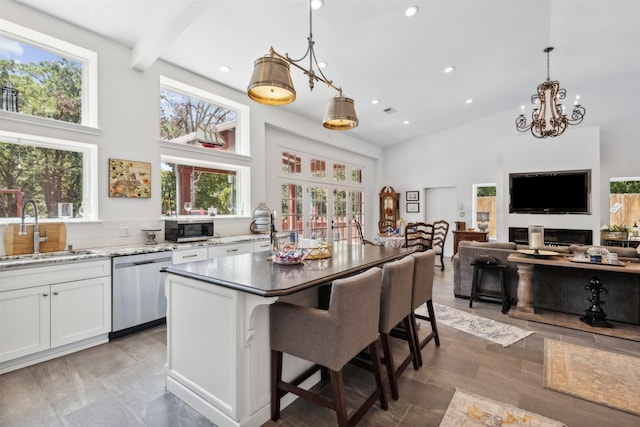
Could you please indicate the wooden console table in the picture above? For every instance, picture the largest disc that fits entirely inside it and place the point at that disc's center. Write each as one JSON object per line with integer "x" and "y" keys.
{"x": 476, "y": 236}
{"x": 525, "y": 309}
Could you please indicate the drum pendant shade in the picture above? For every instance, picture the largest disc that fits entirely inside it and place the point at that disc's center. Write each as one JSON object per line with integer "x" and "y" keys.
{"x": 271, "y": 82}
{"x": 341, "y": 114}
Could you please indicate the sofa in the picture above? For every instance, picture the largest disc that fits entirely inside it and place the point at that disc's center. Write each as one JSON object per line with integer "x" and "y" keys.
{"x": 558, "y": 289}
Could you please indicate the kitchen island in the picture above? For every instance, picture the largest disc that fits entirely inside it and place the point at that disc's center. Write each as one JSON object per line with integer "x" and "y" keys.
{"x": 218, "y": 325}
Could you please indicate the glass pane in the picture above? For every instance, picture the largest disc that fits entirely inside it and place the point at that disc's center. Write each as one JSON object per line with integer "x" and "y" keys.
{"x": 204, "y": 187}
{"x": 291, "y": 208}
{"x": 339, "y": 173}
{"x": 339, "y": 222}
{"x": 45, "y": 84}
{"x": 318, "y": 213}
{"x": 486, "y": 209}
{"x": 356, "y": 175}
{"x": 624, "y": 205}
{"x": 195, "y": 122}
{"x": 318, "y": 169}
{"x": 291, "y": 163}
{"x": 357, "y": 212}
{"x": 46, "y": 175}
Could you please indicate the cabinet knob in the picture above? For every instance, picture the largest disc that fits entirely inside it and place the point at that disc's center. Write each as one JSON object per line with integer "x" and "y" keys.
{"x": 56, "y": 292}
{"x": 45, "y": 294}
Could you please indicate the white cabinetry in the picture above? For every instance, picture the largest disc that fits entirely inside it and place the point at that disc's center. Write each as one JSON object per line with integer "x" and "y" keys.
{"x": 234, "y": 249}
{"x": 189, "y": 255}
{"x": 261, "y": 245}
{"x": 53, "y": 310}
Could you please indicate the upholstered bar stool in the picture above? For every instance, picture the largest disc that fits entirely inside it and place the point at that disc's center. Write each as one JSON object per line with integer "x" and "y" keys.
{"x": 395, "y": 307}
{"x": 423, "y": 272}
{"x": 330, "y": 339}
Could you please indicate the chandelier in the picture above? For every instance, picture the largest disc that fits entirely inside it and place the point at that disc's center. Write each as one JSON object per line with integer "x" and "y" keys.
{"x": 548, "y": 118}
{"x": 271, "y": 84}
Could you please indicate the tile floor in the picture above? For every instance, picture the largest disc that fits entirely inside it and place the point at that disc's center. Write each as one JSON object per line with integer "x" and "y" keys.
{"x": 122, "y": 384}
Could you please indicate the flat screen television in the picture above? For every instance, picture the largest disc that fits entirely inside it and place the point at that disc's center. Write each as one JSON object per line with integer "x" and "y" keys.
{"x": 560, "y": 192}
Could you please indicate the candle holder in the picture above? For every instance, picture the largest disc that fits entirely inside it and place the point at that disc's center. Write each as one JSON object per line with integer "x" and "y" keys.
{"x": 536, "y": 238}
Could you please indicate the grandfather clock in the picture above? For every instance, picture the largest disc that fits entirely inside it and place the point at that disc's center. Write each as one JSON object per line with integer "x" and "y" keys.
{"x": 389, "y": 205}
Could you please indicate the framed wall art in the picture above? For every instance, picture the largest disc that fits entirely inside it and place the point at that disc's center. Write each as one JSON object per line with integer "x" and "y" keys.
{"x": 413, "y": 207}
{"x": 413, "y": 196}
{"x": 129, "y": 179}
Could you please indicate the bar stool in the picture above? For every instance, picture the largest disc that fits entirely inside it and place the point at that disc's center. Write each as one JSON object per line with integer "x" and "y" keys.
{"x": 330, "y": 339}
{"x": 487, "y": 265}
{"x": 423, "y": 273}
{"x": 395, "y": 307}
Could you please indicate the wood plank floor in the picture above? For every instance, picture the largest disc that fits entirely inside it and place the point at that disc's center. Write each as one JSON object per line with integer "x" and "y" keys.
{"x": 122, "y": 383}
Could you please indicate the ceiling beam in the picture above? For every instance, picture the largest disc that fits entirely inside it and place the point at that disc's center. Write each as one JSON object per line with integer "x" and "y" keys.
{"x": 163, "y": 29}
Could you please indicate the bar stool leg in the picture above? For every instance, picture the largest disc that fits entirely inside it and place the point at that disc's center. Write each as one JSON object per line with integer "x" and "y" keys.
{"x": 276, "y": 375}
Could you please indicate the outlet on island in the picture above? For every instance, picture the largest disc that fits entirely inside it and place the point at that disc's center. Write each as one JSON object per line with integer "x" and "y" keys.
{"x": 125, "y": 232}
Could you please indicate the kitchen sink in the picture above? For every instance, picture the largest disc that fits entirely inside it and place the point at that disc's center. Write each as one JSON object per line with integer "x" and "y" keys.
{"x": 47, "y": 255}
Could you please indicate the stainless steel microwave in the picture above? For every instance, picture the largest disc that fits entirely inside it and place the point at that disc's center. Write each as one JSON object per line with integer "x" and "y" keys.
{"x": 188, "y": 230}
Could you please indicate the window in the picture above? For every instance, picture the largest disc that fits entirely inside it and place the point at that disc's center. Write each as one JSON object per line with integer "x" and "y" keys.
{"x": 315, "y": 208}
{"x": 624, "y": 203}
{"x": 485, "y": 208}
{"x": 339, "y": 172}
{"x": 291, "y": 163}
{"x": 49, "y": 172}
{"x": 49, "y": 78}
{"x": 203, "y": 185}
{"x": 190, "y": 117}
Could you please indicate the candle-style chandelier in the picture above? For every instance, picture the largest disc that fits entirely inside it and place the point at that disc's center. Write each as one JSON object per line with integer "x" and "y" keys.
{"x": 548, "y": 118}
{"x": 271, "y": 84}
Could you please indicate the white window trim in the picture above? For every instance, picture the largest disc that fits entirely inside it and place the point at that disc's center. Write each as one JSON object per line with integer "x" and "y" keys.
{"x": 243, "y": 145}
{"x": 88, "y": 58}
{"x": 89, "y": 170}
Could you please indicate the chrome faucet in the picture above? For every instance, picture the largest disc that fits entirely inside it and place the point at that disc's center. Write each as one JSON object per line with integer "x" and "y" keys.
{"x": 36, "y": 233}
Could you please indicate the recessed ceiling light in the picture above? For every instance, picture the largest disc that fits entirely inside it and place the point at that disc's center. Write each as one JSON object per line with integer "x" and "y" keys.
{"x": 406, "y": 122}
{"x": 468, "y": 101}
{"x": 449, "y": 69}
{"x": 375, "y": 102}
{"x": 411, "y": 11}
{"x": 322, "y": 64}
{"x": 225, "y": 68}
{"x": 317, "y": 4}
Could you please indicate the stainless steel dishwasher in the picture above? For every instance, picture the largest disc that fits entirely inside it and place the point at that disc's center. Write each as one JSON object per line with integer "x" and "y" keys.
{"x": 138, "y": 292}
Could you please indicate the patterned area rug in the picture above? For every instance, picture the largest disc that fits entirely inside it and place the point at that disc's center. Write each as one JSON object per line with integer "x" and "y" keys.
{"x": 602, "y": 377}
{"x": 482, "y": 327}
{"x": 468, "y": 409}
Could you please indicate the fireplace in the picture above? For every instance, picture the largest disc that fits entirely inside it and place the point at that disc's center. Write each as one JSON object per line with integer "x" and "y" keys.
{"x": 553, "y": 236}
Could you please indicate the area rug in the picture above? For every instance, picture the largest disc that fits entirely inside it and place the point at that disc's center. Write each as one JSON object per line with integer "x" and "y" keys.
{"x": 467, "y": 409}
{"x": 602, "y": 377}
{"x": 482, "y": 327}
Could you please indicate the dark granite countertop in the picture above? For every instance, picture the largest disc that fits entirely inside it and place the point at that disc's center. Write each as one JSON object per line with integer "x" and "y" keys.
{"x": 254, "y": 273}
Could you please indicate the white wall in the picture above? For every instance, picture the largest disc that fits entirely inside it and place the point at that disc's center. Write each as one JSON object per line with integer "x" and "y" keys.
{"x": 607, "y": 142}
{"x": 129, "y": 129}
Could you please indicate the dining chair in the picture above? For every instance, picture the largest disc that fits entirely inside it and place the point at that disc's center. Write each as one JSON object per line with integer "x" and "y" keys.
{"x": 440, "y": 230}
{"x": 384, "y": 224}
{"x": 330, "y": 339}
{"x": 363, "y": 241}
{"x": 423, "y": 273}
{"x": 418, "y": 235}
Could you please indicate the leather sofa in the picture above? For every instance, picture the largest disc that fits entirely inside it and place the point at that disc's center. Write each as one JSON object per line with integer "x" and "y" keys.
{"x": 558, "y": 289}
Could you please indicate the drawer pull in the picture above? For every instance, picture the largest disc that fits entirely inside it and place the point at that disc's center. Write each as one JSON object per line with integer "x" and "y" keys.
{"x": 232, "y": 250}
{"x": 190, "y": 256}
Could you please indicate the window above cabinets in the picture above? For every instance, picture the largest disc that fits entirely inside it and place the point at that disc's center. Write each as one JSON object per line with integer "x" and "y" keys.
{"x": 47, "y": 81}
{"x": 193, "y": 119}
